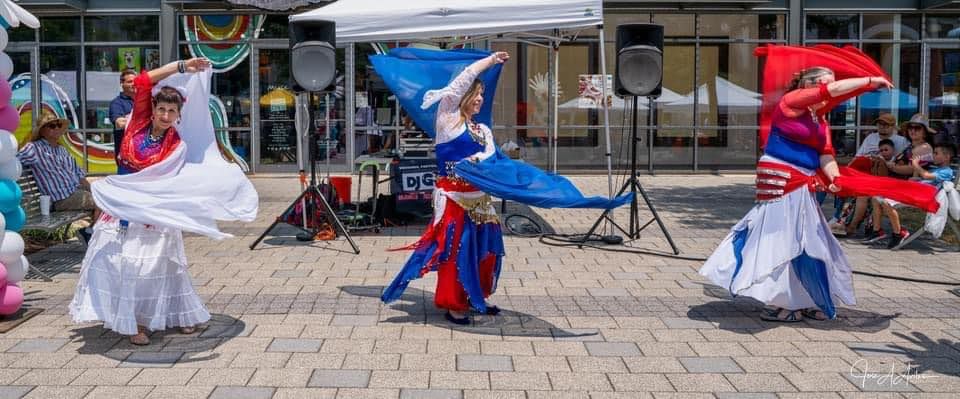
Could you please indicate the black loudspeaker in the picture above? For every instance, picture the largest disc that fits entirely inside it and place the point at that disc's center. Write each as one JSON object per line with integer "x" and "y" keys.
{"x": 639, "y": 60}
{"x": 313, "y": 54}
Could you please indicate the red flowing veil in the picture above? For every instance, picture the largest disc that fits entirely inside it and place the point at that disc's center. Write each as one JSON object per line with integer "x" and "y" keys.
{"x": 782, "y": 63}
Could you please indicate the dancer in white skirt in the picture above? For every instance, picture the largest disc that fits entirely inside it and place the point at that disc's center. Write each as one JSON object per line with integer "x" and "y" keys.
{"x": 134, "y": 276}
{"x": 782, "y": 252}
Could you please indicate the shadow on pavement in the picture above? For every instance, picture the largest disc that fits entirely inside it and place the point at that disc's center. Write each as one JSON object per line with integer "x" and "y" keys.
{"x": 742, "y": 315}
{"x": 717, "y": 207}
{"x": 166, "y": 347}
{"x": 920, "y": 352}
{"x": 416, "y": 306}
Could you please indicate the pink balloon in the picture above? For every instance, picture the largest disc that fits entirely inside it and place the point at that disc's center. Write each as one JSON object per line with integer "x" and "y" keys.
{"x": 11, "y": 297}
{"x": 3, "y": 275}
{"x": 9, "y": 118}
{"x": 5, "y": 92}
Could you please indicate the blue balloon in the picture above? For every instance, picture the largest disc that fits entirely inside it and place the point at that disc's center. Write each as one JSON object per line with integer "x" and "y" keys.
{"x": 10, "y": 195}
{"x": 15, "y": 219}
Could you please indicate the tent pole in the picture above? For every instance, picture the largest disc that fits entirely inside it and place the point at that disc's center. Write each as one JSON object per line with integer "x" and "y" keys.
{"x": 556, "y": 100}
{"x": 606, "y": 112}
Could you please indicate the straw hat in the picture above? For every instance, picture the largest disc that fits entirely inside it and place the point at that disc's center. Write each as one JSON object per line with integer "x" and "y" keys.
{"x": 48, "y": 119}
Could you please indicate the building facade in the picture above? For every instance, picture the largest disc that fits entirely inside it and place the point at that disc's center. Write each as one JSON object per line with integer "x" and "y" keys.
{"x": 706, "y": 120}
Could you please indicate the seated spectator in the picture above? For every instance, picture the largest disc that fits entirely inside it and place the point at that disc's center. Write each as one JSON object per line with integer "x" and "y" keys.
{"x": 918, "y": 131}
{"x": 938, "y": 173}
{"x": 879, "y": 168}
{"x": 55, "y": 170}
{"x": 867, "y": 157}
{"x": 941, "y": 171}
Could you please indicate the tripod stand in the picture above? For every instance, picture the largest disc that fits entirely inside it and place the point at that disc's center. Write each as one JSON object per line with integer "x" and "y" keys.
{"x": 311, "y": 198}
{"x": 633, "y": 184}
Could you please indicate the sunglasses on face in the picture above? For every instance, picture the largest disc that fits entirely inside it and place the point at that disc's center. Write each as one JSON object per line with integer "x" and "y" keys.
{"x": 54, "y": 125}
{"x": 883, "y": 124}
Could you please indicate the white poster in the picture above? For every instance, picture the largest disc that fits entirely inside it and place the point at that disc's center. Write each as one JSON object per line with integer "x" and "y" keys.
{"x": 590, "y": 91}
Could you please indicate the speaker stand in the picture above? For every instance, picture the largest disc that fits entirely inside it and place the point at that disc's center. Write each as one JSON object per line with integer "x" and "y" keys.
{"x": 311, "y": 198}
{"x": 633, "y": 185}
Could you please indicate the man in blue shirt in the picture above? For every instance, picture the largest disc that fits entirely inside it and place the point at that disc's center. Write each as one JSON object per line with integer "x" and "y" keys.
{"x": 120, "y": 109}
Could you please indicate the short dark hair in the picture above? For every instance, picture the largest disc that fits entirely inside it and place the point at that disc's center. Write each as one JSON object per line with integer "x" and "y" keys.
{"x": 169, "y": 95}
{"x": 127, "y": 72}
{"x": 948, "y": 147}
{"x": 886, "y": 142}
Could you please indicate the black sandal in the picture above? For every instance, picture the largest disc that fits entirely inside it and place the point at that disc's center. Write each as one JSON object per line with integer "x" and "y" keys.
{"x": 814, "y": 314}
{"x": 792, "y": 316}
{"x": 492, "y": 310}
{"x": 461, "y": 321}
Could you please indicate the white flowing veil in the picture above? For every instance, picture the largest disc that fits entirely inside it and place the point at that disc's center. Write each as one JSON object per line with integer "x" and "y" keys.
{"x": 193, "y": 187}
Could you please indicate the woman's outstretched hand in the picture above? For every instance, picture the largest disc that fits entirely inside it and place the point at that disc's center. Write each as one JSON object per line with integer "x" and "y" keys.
{"x": 500, "y": 57}
{"x": 197, "y": 64}
{"x": 878, "y": 82}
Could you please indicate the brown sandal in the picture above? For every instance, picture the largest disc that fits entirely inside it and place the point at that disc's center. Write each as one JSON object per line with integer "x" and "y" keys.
{"x": 141, "y": 339}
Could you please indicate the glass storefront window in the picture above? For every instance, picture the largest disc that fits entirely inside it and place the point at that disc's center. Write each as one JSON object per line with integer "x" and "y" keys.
{"x": 944, "y": 88}
{"x": 741, "y": 26}
{"x": 60, "y": 73}
{"x": 729, "y": 89}
{"x": 739, "y": 150}
{"x": 677, "y": 25}
{"x": 60, "y": 29}
{"x": 275, "y": 27}
{"x": 941, "y": 26}
{"x": 773, "y": 26}
{"x": 891, "y": 26}
{"x": 672, "y": 148}
{"x": 832, "y": 26}
{"x": 675, "y": 105}
{"x": 104, "y": 65}
{"x": 902, "y": 62}
{"x": 376, "y": 111}
{"x": 115, "y": 28}
{"x": 21, "y": 83}
{"x": 22, "y": 34}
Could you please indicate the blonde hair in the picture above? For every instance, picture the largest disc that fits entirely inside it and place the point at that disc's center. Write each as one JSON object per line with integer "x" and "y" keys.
{"x": 472, "y": 92}
{"x": 808, "y": 75}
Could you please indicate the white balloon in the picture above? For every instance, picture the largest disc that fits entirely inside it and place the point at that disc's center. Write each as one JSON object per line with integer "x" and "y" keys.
{"x": 17, "y": 269}
{"x": 3, "y": 226}
{"x": 6, "y": 66}
{"x": 11, "y": 170}
{"x": 3, "y": 39}
{"x": 8, "y": 145}
{"x": 11, "y": 248}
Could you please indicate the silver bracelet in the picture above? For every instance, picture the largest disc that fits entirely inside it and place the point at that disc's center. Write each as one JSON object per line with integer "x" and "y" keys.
{"x": 181, "y": 66}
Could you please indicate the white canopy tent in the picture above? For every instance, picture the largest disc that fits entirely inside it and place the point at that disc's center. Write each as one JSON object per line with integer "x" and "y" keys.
{"x": 379, "y": 20}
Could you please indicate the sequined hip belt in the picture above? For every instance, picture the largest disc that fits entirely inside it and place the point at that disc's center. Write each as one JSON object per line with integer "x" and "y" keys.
{"x": 775, "y": 180}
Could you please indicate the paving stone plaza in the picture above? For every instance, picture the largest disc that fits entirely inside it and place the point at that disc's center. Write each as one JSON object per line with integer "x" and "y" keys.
{"x": 304, "y": 320}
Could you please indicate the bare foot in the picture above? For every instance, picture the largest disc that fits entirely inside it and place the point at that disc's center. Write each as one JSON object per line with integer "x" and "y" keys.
{"x": 188, "y": 330}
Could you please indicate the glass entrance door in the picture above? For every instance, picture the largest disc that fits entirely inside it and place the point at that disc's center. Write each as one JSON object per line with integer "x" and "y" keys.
{"x": 943, "y": 91}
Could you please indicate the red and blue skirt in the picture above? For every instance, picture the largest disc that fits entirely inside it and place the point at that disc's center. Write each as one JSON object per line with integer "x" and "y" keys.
{"x": 463, "y": 244}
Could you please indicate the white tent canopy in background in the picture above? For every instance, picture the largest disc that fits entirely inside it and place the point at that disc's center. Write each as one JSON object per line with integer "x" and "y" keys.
{"x": 667, "y": 96}
{"x": 385, "y": 20}
{"x": 728, "y": 95}
{"x": 381, "y": 20}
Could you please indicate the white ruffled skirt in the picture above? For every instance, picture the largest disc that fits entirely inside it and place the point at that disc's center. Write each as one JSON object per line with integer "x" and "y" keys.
{"x": 136, "y": 277}
{"x": 773, "y": 235}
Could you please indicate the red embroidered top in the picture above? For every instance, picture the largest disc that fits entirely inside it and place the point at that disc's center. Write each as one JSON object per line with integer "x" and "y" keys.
{"x": 138, "y": 149}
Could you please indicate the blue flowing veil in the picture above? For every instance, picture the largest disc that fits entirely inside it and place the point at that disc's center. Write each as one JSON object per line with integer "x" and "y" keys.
{"x": 411, "y": 72}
